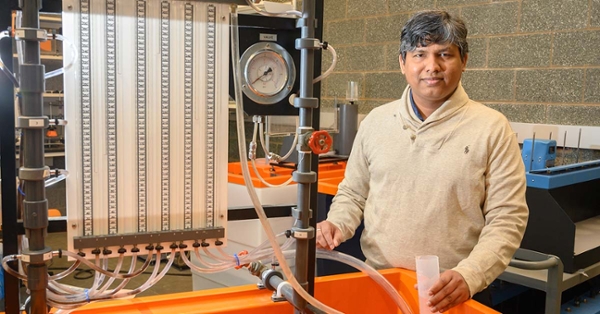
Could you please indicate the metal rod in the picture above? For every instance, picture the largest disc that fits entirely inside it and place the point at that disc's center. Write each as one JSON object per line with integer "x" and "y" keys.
{"x": 311, "y": 258}
{"x": 564, "y": 162}
{"x": 532, "y": 149}
{"x": 8, "y": 163}
{"x": 304, "y": 157}
{"x": 35, "y": 204}
{"x": 578, "y": 145}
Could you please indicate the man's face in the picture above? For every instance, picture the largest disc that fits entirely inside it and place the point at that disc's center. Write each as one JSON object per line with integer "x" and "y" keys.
{"x": 433, "y": 72}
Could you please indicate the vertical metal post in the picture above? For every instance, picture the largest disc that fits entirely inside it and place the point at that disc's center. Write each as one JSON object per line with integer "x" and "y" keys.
{"x": 35, "y": 205}
{"x": 8, "y": 163}
{"x": 304, "y": 175}
{"x": 554, "y": 288}
{"x": 311, "y": 258}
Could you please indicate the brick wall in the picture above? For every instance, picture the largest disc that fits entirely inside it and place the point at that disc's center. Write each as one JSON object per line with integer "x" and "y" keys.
{"x": 537, "y": 61}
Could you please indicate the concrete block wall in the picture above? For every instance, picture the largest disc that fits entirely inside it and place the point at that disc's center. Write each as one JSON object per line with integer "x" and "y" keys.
{"x": 536, "y": 61}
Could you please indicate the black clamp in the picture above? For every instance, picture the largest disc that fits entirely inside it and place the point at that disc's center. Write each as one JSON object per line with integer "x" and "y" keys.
{"x": 31, "y": 34}
{"x": 32, "y": 122}
{"x": 34, "y": 174}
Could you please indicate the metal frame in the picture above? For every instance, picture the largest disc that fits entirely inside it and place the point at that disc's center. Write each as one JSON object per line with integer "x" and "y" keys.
{"x": 311, "y": 25}
{"x": 545, "y": 272}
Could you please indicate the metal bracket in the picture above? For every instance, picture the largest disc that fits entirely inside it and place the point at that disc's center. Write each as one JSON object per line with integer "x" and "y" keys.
{"x": 304, "y": 134}
{"x": 32, "y": 122}
{"x": 301, "y": 22}
{"x": 31, "y": 34}
{"x": 33, "y": 174}
{"x": 149, "y": 237}
{"x": 307, "y": 43}
{"x": 297, "y": 213}
{"x": 304, "y": 177}
{"x": 37, "y": 257}
{"x": 306, "y": 102}
{"x": 304, "y": 234}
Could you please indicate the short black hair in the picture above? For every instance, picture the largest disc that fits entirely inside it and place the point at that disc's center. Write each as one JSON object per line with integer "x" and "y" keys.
{"x": 433, "y": 27}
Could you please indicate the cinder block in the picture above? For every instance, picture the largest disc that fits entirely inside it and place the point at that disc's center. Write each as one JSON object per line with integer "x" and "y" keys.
{"x": 574, "y": 115}
{"x": 361, "y": 8}
{"x": 545, "y": 15}
{"x": 385, "y": 28}
{"x": 496, "y": 18}
{"x": 346, "y": 32}
{"x": 385, "y": 85}
{"x": 489, "y": 85}
{"x": 576, "y": 48}
{"x": 523, "y": 113}
{"x": 562, "y": 85}
{"x": 520, "y": 51}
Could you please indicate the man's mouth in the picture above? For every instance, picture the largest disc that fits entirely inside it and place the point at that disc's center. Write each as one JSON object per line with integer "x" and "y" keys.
{"x": 432, "y": 80}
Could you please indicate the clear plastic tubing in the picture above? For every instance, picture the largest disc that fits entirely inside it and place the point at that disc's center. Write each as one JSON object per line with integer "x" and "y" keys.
{"x": 370, "y": 271}
{"x": 246, "y": 172}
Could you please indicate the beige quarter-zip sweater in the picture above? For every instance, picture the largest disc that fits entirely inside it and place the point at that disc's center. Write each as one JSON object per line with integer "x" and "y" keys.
{"x": 452, "y": 186}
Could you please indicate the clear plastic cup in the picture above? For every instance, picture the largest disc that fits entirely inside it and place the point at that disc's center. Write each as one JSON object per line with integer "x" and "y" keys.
{"x": 428, "y": 272}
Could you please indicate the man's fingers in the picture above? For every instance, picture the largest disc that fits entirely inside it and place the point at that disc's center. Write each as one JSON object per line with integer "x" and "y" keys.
{"x": 328, "y": 236}
{"x": 451, "y": 290}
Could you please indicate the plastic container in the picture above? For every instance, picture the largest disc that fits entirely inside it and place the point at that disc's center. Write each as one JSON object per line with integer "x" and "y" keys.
{"x": 428, "y": 272}
{"x": 349, "y": 293}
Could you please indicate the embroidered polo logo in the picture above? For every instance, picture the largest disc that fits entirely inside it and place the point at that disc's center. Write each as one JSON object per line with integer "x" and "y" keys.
{"x": 467, "y": 149}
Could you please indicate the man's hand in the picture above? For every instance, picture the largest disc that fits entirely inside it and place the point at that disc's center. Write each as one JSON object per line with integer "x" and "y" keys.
{"x": 449, "y": 291}
{"x": 328, "y": 235}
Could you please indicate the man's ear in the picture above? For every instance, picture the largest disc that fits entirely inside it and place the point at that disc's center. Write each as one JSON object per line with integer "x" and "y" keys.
{"x": 464, "y": 66}
{"x": 401, "y": 63}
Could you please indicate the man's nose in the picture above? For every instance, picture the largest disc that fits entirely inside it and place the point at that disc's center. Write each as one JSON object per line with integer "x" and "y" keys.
{"x": 433, "y": 64}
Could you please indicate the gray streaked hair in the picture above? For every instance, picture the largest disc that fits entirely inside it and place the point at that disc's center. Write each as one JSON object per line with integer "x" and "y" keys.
{"x": 433, "y": 27}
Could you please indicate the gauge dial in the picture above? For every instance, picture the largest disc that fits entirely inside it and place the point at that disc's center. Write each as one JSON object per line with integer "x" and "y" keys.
{"x": 266, "y": 73}
{"x": 269, "y": 73}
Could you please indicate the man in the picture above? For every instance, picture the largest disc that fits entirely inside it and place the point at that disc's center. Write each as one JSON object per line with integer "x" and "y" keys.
{"x": 434, "y": 173}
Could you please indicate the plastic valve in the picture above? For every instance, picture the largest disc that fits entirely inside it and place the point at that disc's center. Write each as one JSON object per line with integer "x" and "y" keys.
{"x": 320, "y": 142}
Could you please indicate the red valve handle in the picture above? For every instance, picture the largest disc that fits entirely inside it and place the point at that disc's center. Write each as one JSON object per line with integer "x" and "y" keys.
{"x": 320, "y": 142}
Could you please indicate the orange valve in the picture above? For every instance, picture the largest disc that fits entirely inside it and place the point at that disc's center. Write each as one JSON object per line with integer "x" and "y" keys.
{"x": 320, "y": 142}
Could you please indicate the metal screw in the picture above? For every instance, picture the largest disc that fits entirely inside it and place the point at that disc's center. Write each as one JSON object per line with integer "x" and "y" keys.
{"x": 74, "y": 226}
{"x": 70, "y": 7}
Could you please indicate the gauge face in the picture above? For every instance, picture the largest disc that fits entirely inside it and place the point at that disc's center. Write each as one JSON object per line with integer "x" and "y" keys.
{"x": 268, "y": 73}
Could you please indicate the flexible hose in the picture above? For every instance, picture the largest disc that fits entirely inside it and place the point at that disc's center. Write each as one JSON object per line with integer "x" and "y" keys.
{"x": 331, "y": 67}
{"x": 248, "y": 180}
{"x": 265, "y": 13}
{"x": 70, "y": 64}
{"x": 370, "y": 271}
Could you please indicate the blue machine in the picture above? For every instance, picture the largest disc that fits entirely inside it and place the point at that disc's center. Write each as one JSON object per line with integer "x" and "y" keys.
{"x": 538, "y": 154}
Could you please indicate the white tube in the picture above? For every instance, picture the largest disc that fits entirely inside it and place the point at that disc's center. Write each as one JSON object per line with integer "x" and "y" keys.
{"x": 331, "y": 67}
{"x": 265, "y": 13}
{"x": 70, "y": 64}
{"x": 111, "y": 279}
{"x": 255, "y": 169}
{"x": 248, "y": 180}
{"x": 374, "y": 274}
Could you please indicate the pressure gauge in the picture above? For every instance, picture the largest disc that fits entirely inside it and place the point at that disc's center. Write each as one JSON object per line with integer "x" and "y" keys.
{"x": 268, "y": 73}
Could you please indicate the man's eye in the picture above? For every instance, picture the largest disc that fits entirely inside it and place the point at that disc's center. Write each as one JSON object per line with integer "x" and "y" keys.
{"x": 418, "y": 55}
